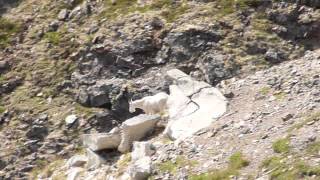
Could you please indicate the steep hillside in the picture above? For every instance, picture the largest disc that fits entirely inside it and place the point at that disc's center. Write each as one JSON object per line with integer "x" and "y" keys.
{"x": 71, "y": 67}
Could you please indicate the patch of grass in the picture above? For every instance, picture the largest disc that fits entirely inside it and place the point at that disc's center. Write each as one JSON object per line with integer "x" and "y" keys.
{"x": 171, "y": 10}
{"x": 7, "y": 31}
{"x": 236, "y": 162}
{"x": 44, "y": 169}
{"x": 53, "y": 37}
{"x": 230, "y": 6}
{"x": 2, "y": 109}
{"x": 313, "y": 148}
{"x": 285, "y": 170}
{"x": 313, "y": 117}
{"x": 265, "y": 90}
{"x": 173, "y": 166}
{"x": 123, "y": 163}
{"x": 281, "y": 146}
{"x": 263, "y": 25}
{"x": 279, "y": 96}
{"x": 226, "y": 6}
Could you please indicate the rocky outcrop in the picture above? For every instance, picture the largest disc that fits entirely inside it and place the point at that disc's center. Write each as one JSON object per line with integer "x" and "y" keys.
{"x": 188, "y": 41}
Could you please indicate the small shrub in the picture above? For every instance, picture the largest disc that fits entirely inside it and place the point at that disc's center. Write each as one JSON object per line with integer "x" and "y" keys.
{"x": 2, "y": 109}
{"x": 265, "y": 90}
{"x": 313, "y": 148}
{"x": 53, "y": 37}
{"x": 236, "y": 162}
{"x": 7, "y": 30}
{"x": 281, "y": 146}
{"x": 313, "y": 117}
{"x": 172, "y": 167}
{"x": 171, "y": 10}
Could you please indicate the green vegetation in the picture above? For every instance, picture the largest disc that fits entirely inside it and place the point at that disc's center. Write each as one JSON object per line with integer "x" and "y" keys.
{"x": 283, "y": 169}
{"x": 171, "y": 10}
{"x": 230, "y": 6}
{"x": 236, "y": 162}
{"x": 172, "y": 167}
{"x": 279, "y": 95}
{"x": 313, "y": 117}
{"x": 2, "y": 109}
{"x": 313, "y": 148}
{"x": 46, "y": 170}
{"x": 53, "y": 37}
{"x": 281, "y": 146}
{"x": 265, "y": 90}
{"x": 123, "y": 163}
{"x": 8, "y": 30}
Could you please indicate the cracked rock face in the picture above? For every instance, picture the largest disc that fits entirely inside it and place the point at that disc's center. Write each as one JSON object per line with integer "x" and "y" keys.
{"x": 193, "y": 105}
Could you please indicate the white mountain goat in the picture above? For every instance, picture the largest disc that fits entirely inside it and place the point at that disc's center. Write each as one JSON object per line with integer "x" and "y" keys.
{"x": 151, "y": 104}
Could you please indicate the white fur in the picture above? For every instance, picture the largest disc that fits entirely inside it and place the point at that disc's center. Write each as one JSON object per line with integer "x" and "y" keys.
{"x": 151, "y": 104}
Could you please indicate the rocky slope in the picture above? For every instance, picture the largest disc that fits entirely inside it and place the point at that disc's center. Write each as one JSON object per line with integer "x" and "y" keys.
{"x": 70, "y": 67}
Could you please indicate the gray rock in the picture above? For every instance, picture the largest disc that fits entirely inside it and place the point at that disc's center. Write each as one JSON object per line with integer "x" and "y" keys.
{"x": 53, "y": 26}
{"x": 273, "y": 56}
{"x": 4, "y": 65}
{"x": 287, "y": 117}
{"x": 101, "y": 94}
{"x": 63, "y": 14}
{"x": 136, "y": 128}
{"x": 37, "y": 132}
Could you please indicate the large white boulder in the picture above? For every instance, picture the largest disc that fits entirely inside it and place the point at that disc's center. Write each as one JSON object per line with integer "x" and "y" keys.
{"x": 101, "y": 141}
{"x": 140, "y": 169}
{"x": 76, "y": 161}
{"x": 94, "y": 160}
{"x": 74, "y": 173}
{"x": 141, "y": 150}
{"x": 193, "y": 105}
{"x": 135, "y": 129}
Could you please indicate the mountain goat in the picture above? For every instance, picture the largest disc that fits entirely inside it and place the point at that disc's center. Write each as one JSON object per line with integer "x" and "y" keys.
{"x": 150, "y": 104}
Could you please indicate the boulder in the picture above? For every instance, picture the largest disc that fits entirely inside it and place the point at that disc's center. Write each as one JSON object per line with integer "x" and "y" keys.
{"x": 37, "y": 132}
{"x": 71, "y": 120}
{"x": 74, "y": 173}
{"x": 141, "y": 150}
{"x": 273, "y": 56}
{"x": 140, "y": 169}
{"x": 136, "y": 128}
{"x": 193, "y": 105}
{"x": 100, "y": 141}
{"x": 4, "y": 65}
{"x": 94, "y": 159}
{"x": 63, "y": 14}
{"x": 76, "y": 161}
